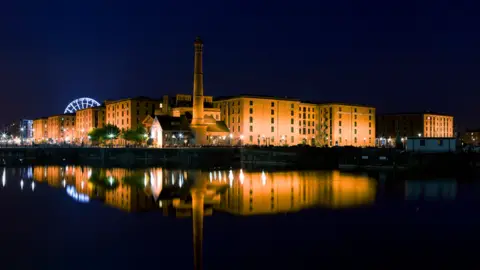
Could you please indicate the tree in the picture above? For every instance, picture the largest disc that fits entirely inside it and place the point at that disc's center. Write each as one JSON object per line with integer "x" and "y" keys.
{"x": 112, "y": 131}
{"x": 108, "y": 132}
{"x": 137, "y": 136}
{"x": 97, "y": 135}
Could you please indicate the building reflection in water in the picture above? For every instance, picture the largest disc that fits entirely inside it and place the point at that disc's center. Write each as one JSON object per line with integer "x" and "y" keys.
{"x": 432, "y": 190}
{"x": 237, "y": 192}
{"x": 198, "y": 193}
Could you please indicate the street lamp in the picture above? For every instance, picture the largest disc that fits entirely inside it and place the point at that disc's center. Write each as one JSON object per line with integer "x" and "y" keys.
{"x": 419, "y": 134}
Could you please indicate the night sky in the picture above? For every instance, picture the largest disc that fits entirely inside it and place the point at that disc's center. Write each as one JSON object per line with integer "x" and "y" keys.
{"x": 395, "y": 55}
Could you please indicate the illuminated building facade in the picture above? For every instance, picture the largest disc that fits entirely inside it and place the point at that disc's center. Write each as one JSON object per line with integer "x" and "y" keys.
{"x": 346, "y": 125}
{"x": 129, "y": 113}
{"x": 260, "y": 120}
{"x": 471, "y": 137}
{"x": 282, "y": 121}
{"x": 433, "y": 125}
{"x": 87, "y": 120}
{"x": 61, "y": 128}
{"x": 21, "y": 129}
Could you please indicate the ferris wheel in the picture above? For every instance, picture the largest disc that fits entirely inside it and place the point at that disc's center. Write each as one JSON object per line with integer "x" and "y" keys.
{"x": 81, "y": 103}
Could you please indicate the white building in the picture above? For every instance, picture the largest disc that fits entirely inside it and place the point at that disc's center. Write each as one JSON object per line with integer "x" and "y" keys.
{"x": 431, "y": 145}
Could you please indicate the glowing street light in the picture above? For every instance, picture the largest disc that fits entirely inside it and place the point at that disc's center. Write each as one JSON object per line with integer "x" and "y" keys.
{"x": 419, "y": 134}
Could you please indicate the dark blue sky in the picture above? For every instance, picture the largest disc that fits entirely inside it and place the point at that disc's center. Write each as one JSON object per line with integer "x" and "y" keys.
{"x": 396, "y": 55}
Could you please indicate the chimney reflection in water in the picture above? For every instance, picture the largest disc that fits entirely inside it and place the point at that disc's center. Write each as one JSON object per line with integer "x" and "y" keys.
{"x": 237, "y": 191}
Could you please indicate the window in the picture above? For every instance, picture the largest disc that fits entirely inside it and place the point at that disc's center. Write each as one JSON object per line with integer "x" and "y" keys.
{"x": 369, "y": 124}
{"x": 238, "y": 119}
{"x": 272, "y": 112}
{"x": 233, "y": 129}
{"x": 355, "y": 117}
{"x": 251, "y": 119}
{"x": 272, "y": 121}
{"x": 304, "y": 131}
{"x": 291, "y": 113}
{"x": 251, "y": 128}
{"x": 339, "y": 123}
{"x": 313, "y": 116}
{"x": 273, "y": 129}
{"x": 422, "y": 142}
{"x": 355, "y": 131}
{"x": 251, "y": 102}
{"x": 304, "y": 115}
{"x": 299, "y": 115}
{"x": 355, "y": 109}
{"x": 340, "y": 116}
{"x": 308, "y": 123}
{"x": 355, "y": 124}
{"x": 251, "y": 110}
{"x": 308, "y": 131}
{"x": 238, "y": 129}
{"x": 273, "y": 104}
{"x": 292, "y": 139}
{"x": 370, "y": 117}
{"x": 369, "y": 110}
{"x": 291, "y": 121}
{"x": 355, "y": 140}
{"x": 251, "y": 137}
{"x": 291, "y": 129}
{"x": 299, "y": 122}
{"x": 369, "y": 132}
{"x": 308, "y": 109}
{"x": 339, "y": 109}
{"x": 313, "y": 109}
{"x": 304, "y": 109}
{"x": 313, "y": 123}
{"x": 339, "y": 131}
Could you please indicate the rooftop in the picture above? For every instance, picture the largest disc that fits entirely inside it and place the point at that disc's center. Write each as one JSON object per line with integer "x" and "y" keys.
{"x": 290, "y": 99}
{"x": 131, "y": 98}
{"x": 417, "y": 113}
{"x": 255, "y": 96}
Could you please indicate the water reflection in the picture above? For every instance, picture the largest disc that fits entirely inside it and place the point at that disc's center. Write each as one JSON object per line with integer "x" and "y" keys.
{"x": 197, "y": 194}
{"x": 445, "y": 189}
{"x": 234, "y": 191}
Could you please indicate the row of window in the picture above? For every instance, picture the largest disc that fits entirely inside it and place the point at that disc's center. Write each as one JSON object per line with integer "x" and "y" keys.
{"x": 354, "y": 124}
{"x": 355, "y": 131}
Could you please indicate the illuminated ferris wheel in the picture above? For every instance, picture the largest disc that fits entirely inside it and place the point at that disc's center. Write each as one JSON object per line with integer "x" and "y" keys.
{"x": 80, "y": 104}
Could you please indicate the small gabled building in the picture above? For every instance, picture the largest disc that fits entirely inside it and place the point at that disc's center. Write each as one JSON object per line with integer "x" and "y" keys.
{"x": 173, "y": 131}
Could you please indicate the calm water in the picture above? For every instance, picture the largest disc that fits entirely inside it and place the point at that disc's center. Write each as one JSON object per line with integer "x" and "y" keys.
{"x": 54, "y": 217}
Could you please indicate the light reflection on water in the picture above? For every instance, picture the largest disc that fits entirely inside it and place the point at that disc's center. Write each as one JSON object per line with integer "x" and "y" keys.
{"x": 201, "y": 193}
{"x": 235, "y": 191}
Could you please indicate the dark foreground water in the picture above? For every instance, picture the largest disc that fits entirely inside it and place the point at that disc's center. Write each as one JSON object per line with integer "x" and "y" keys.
{"x": 84, "y": 218}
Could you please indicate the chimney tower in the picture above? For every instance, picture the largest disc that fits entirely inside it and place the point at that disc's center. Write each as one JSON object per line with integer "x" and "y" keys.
{"x": 198, "y": 127}
{"x": 198, "y": 83}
